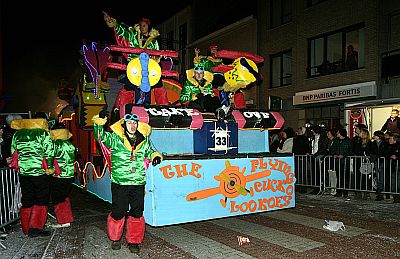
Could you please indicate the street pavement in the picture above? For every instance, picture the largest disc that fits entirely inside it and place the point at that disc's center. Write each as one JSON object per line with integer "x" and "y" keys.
{"x": 372, "y": 230}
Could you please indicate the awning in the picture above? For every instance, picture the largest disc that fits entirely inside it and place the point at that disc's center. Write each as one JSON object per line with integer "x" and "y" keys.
{"x": 376, "y": 103}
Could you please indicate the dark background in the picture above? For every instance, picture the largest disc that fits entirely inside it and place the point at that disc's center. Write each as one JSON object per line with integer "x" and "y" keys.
{"x": 41, "y": 43}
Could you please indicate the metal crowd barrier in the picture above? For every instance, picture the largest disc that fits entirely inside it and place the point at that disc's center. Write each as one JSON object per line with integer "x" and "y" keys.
{"x": 353, "y": 173}
{"x": 10, "y": 197}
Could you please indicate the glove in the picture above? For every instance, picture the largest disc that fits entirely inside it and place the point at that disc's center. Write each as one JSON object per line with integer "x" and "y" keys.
{"x": 156, "y": 161}
{"x": 49, "y": 171}
{"x": 104, "y": 114}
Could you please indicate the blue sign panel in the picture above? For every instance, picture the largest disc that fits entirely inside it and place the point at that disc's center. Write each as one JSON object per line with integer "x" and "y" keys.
{"x": 192, "y": 190}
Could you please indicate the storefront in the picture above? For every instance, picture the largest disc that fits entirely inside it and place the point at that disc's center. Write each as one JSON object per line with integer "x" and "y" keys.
{"x": 372, "y": 113}
{"x": 326, "y": 106}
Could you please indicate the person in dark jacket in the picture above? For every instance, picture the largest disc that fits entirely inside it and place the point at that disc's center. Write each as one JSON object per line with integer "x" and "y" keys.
{"x": 378, "y": 151}
{"x": 392, "y": 124}
{"x": 301, "y": 144}
{"x": 394, "y": 173}
{"x": 319, "y": 146}
{"x": 341, "y": 149}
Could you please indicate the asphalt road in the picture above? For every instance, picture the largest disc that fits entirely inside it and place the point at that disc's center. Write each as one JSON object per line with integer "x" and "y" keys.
{"x": 371, "y": 230}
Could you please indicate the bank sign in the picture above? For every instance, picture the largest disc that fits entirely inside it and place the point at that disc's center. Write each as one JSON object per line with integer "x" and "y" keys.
{"x": 360, "y": 90}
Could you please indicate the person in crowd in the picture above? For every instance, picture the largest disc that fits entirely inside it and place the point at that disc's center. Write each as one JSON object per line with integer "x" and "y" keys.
{"x": 377, "y": 150}
{"x": 341, "y": 149}
{"x": 301, "y": 144}
{"x": 319, "y": 143}
{"x": 319, "y": 146}
{"x": 34, "y": 149}
{"x": 363, "y": 141}
{"x": 131, "y": 152}
{"x": 394, "y": 173}
{"x": 356, "y": 141}
{"x": 141, "y": 35}
{"x": 274, "y": 138}
{"x": 8, "y": 133}
{"x": 286, "y": 143}
{"x": 330, "y": 135}
{"x": 197, "y": 92}
{"x": 63, "y": 177}
{"x": 392, "y": 124}
{"x": 5, "y": 156}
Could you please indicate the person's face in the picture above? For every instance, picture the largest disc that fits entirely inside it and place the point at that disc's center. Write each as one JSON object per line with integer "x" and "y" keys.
{"x": 338, "y": 134}
{"x": 393, "y": 114}
{"x": 357, "y": 131}
{"x": 144, "y": 28}
{"x": 131, "y": 126}
{"x": 213, "y": 51}
{"x": 350, "y": 49}
{"x": 199, "y": 75}
{"x": 329, "y": 135}
{"x": 392, "y": 140}
{"x": 1, "y": 132}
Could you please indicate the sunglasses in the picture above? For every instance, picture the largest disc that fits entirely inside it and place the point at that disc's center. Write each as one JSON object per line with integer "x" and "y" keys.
{"x": 131, "y": 117}
{"x": 198, "y": 69}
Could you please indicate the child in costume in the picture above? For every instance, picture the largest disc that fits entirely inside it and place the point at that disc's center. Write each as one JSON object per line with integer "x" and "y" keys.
{"x": 63, "y": 177}
{"x": 33, "y": 151}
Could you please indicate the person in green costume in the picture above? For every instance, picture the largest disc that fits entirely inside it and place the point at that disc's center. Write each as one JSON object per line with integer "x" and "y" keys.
{"x": 33, "y": 151}
{"x": 197, "y": 91}
{"x": 142, "y": 36}
{"x": 130, "y": 151}
{"x": 63, "y": 177}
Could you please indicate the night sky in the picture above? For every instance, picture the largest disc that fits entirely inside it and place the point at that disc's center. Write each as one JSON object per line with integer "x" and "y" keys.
{"x": 41, "y": 43}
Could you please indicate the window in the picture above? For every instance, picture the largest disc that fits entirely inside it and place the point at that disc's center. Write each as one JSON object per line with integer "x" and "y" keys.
{"x": 281, "y": 12}
{"x": 281, "y": 69}
{"x": 170, "y": 40}
{"x": 336, "y": 52}
{"x": 182, "y": 36}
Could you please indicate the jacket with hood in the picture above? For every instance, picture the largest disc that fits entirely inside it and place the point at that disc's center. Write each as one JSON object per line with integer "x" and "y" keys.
{"x": 133, "y": 35}
{"x": 64, "y": 153}
{"x": 33, "y": 144}
{"x": 191, "y": 88}
{"x": 122, "y": 165}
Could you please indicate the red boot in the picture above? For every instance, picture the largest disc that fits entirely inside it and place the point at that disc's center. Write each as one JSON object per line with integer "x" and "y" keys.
{"x": 25, "y": 215}
{"x": 37, "y": 221}
{"x": 135, "y": 230}
{"x": 115, "y": 228}
{"x": 63, "y": 212}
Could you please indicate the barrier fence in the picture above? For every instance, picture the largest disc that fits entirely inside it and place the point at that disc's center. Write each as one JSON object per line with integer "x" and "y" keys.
{"x": 353, "y": 173}
{"x": 10, "y": 197}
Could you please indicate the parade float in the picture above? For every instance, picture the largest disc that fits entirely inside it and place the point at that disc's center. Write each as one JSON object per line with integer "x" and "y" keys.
{"x": 213, "y": 166}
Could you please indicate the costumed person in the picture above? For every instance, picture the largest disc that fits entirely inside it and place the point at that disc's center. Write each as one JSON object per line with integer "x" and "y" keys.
{"x": 144, "y": 37}
{"x": 33, "y": 158}
{"x": 209, "y": 62}
{"x": 63, "y": 177}
{"x": 197, "y": 91}
{"x": 131, "y": 153}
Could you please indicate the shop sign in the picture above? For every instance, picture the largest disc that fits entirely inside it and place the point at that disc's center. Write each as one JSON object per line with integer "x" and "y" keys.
{"x": 366, "y": 89}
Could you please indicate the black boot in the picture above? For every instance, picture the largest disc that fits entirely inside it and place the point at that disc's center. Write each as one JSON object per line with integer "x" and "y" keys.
{"x": 116, "y": 245}
{"x": 35, "y": 232}
{"x": 134, "y": 248}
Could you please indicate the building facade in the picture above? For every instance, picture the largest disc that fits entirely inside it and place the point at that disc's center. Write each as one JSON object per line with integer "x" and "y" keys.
{"x": 322, "y": 54}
